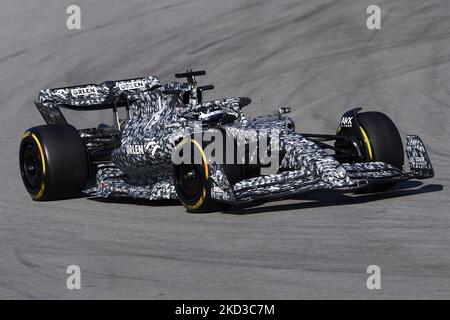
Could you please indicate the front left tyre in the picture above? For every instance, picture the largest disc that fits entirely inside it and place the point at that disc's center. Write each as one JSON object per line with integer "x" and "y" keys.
{"x": 192, "y": 181}
{"x": 53, "y": 162}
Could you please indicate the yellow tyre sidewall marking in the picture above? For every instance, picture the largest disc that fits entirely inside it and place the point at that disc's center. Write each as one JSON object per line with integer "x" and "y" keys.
{"x": 367, "y": 142}
{"x": 41, "y": 152}
{"x": 205, "y": 168}
{"x": 205, "y": 164}
{"x": 199, "y": 202}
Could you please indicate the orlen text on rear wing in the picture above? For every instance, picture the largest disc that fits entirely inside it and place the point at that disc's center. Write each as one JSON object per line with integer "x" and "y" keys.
{"x": 106, "y": 95}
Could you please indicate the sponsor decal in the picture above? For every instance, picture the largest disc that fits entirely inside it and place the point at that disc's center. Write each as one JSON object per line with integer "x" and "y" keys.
{"x": 139, "y": 149}
{"x": 135, "y": 149}
{"x": 346, "y": 122}
{"x": 420, "y": 163}
{"x": 130, "y": 85}
{"x": 60, "y": 92}
{"x": 83, "y": 91}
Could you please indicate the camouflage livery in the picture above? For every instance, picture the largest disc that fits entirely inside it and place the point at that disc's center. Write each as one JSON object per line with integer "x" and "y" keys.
{"x": 133, "y": 157}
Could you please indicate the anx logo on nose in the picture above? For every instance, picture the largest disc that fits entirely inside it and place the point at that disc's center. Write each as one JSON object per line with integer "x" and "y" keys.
{"x": 346, "y": 121}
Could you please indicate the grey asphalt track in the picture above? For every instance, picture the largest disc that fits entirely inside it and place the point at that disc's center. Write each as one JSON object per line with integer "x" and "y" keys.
{"x": 318, "y": 57}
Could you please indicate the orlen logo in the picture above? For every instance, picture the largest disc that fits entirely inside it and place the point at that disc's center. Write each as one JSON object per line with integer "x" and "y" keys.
{"x": 346, "y": 122}
{"x": 130, "y": 85}
{"x": 135, "y": 149}
{"x": 83, "y": 91}
{"x": 139, "y": 149}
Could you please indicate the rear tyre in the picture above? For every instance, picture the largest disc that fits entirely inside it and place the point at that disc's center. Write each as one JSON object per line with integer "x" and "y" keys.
{"x": 53, "y": 162}
{"x": 382, "y": 142}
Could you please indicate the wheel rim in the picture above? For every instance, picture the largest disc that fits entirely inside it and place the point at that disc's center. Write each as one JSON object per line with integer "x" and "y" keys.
{"x": 31, "y": 168}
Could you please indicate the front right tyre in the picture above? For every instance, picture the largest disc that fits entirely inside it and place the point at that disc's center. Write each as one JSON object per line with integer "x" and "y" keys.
{"x": 382, "y": 142}
{"x": 381, "y": 138}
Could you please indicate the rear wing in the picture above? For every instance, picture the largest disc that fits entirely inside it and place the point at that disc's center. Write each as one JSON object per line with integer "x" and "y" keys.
{"x": 106, "y": 95}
